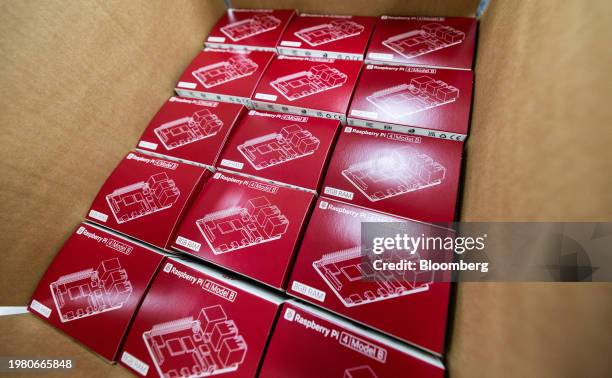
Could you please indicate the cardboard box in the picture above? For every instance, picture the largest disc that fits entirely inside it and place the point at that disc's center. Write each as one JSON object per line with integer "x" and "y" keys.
{"x": 281, "y": 147}
{"x": 336, "y": 348}
{"x": 223, "y": 75}
{"x": 191, "y": 130}
{"x": 249, "y": 226}
{"x": 424, "y": 41}
{"x": 145, "y": 197}
{"x": 317, "y": 87}
{"x": 93, "y": 287}
{"x": 327, "y": 36}
{"x": 414, "y": 100}
{"x": 198, "y": 322}
{"x": 249, "y": 29}
{"x": 410, "y": 176}
{"x": 330, "y": 272}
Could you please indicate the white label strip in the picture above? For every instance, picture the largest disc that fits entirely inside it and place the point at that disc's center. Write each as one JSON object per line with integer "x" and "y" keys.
{"x": 308, "y": 291}
{"x": 291, "y": 43}
{"x": 187, "y": 243}
{"x": 186, "y": 84}
{"x": 139, "y": 366}
{"x": 364, "y": 113}
{"x": 232, "y": 164}
{"x": 147, "y": 145}
{"x": 318, "y": 54}
{"x": 40, "y": 308}
{"x": 380, "y": 56}
{"x": 98, "y": 215}
{"x": 338, "y": 193}
{"x": 216, "y": 39}
{"x": 265, "y": 96}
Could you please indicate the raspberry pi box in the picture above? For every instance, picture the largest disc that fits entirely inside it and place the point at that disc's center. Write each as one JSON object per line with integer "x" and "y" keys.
{"x": 145, "y": 197}
{"x": 339, "y": 348}
{"x": 331, "y": 272}
{"x": 198, "y": 322}
{"x": 424, "y": 41}
{"x": 190, "y": 129}
{"x": 415, "y": 100}
{"x": 327, "y": 36}
{"x": 249, "y": 29}
{"x": 317, "y": 87}
{"x": 281, "y": 147}
{"x": 93, "y": 287}
{"x": 223, "y": 75}
{"x": 246, "y": 225}
{"x": 407, "y": 175}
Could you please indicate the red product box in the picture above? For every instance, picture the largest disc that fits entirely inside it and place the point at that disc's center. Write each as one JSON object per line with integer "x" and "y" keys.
{"x": 327, "y": 36}
{"x": 330, "y": 272}
{"x": 317, "y": 87}
{"x": 249, "y": 226}
{"x": 93, "y": 287}
{"x": 191, "y": 130}
{"x": 197, "y": 322}
{"x": 410, "y": 176}
{"x": 145, "y": 197}
{"x": 424, "y": 41}
{"x": 414, "y": 100}
{"x": 222, "y": 75}
{"x": 250, "y": 29}
{"x": 281, "y": 147}
{"x": 339, "y": 348}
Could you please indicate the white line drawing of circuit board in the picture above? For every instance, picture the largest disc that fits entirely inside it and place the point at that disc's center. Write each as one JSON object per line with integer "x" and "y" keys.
{"x": 306, "y": 83}
{"x": 91, "y": 291}
{"x": 201, "y": 125}
{"x": 399, "y": 172}
{"x": 187, "y": 347}
{"x": 355, "y": 282}
{"x": 234, "y": 68}
{"x": 249, "y": 27}
{"x": 326, "y": 33}
{"x": 235, "y": 228}
{"x": 364, "y": 371}
{"x": 143, "y": 198}
{"x": 420, "y": 94}
{"x": 292, "y": 142}
{"x": 429, "y": 38}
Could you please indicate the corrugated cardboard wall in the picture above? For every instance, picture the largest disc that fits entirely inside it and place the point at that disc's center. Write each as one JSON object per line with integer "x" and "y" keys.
{"x": 539, "y": 150}
{"x": 81, "y": 80}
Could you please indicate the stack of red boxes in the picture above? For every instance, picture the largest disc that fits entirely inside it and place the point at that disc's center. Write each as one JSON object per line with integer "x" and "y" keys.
{"x": 278, "y": 109}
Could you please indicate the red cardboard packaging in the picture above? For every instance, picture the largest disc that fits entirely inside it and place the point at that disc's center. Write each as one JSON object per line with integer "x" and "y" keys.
{"x": 281, "y": 147}
{"x": 327, "y": 36}
{"x": 249, "y": 226}
{"x": 145, "y": 197}
{"x": 191, "y": 130}
{"x": 93, "y": 287}
{"x": 339, "y": 348}
{"x": 330, "y": 272}
{"x": 250, "y": 29}
{"x": 315, "y": 87}
{"x": 197, "y": 322}
{"x": 410, "y": 176}
{"x": 222, "y": 75}
{"x": 424, "y": 41}
{"x": 414, "y": 100}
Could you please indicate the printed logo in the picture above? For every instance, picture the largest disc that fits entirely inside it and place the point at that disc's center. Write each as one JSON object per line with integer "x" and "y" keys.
{"x": 80, "y": 230}
{"x": 289, "y": 314}
{"x": 348, "y": 129}
{"x": 168, "y": 268}
{"x": 323, "y": 205}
